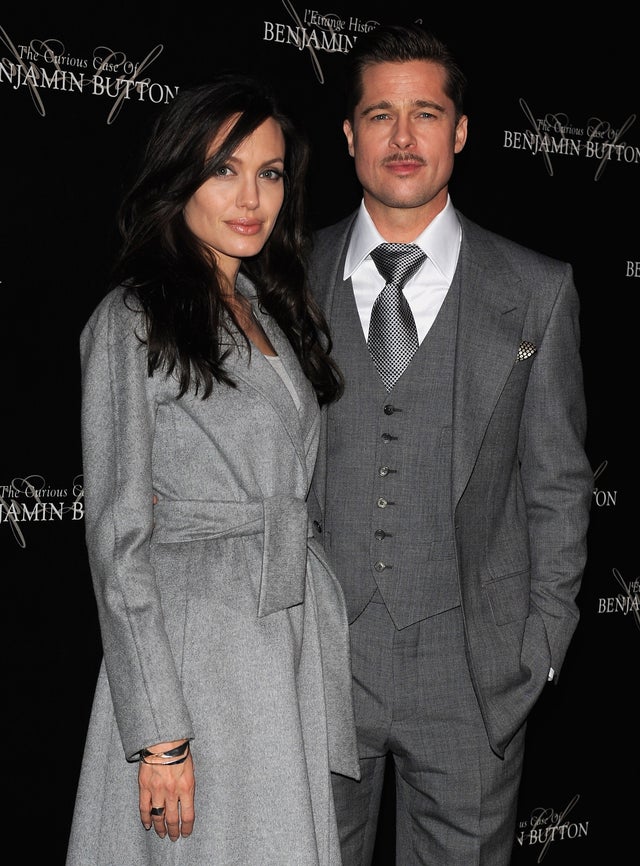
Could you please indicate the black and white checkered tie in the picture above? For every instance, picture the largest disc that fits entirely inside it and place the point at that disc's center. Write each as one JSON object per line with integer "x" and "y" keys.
{"x": 393, "y": 338}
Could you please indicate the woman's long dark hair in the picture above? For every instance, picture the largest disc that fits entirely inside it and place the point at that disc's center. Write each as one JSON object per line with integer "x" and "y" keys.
{"x": 167, "y": 269}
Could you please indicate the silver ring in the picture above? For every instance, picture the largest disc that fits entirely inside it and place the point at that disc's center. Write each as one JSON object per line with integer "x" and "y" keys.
{"x": 157, "y": 810}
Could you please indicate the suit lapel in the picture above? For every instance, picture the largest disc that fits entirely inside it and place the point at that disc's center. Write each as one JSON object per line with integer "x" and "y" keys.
{"x": 490, "y": 321}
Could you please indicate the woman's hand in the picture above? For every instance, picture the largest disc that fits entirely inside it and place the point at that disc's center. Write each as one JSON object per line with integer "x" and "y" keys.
{"x": 167, "y": 795}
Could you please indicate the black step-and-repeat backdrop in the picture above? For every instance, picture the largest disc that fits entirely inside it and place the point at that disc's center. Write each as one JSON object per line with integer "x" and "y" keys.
{"x": 552, "y": 161}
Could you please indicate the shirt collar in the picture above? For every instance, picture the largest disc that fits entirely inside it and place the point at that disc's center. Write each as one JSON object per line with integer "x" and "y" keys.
{"x": 440, "y": 241}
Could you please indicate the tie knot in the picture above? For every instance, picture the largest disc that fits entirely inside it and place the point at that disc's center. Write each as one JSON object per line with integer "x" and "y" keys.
{"x": 397, "y": 262}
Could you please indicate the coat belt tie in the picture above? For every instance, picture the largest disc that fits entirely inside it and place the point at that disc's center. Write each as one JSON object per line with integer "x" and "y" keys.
{"x": 282, "y": 519}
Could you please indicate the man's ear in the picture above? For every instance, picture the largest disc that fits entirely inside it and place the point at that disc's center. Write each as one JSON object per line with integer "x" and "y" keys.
{"x": 460, "y": 134}
{"x": 348, "y": 131}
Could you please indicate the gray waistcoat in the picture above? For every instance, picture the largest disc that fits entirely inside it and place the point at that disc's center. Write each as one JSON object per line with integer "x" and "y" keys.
{"x": 389, "y": 531}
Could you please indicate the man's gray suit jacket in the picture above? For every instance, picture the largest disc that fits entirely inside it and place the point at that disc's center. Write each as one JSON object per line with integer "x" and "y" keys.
{"x": 521, "y": 483}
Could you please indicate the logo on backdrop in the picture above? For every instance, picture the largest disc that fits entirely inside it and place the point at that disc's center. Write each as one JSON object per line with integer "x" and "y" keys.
{"x": 33, "y": 500}
{"x": 603, "y": 497}
{"x": 626, "y": 602}
{"x": 316, "y": 32}
{"x": 43, "y": 64}
{"x": 556, "y": 136}
{"x": 548, "y": 826}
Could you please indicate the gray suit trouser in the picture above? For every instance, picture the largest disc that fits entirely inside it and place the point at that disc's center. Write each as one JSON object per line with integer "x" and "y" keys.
{"x": 456, "y": 801}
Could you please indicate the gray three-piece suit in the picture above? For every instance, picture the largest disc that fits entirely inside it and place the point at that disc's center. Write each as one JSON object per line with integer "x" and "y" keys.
{"x": 454, "y": 509}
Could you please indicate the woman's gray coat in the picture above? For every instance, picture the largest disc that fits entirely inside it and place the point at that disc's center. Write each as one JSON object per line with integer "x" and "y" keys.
{"x": 220, "y": 618}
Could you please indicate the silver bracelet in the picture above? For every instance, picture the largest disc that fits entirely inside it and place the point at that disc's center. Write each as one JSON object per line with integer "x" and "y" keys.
{"x": 177, "y": 755}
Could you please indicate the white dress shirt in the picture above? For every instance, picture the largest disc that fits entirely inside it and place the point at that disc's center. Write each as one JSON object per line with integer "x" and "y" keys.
{"x": 427, "y": 289}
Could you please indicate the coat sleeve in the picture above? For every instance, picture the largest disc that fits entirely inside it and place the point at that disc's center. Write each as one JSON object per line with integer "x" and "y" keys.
{"x": 117, "y": 418}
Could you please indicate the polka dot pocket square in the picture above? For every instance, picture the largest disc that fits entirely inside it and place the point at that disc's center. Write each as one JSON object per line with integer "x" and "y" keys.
{"x": 525, "y": 351}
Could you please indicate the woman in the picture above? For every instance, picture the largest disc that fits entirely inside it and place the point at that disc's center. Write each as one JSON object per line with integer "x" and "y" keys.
{"x": 224, "y": 698}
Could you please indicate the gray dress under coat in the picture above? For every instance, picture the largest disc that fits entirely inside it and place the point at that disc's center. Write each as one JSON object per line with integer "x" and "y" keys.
{"x": 220, "y": 618}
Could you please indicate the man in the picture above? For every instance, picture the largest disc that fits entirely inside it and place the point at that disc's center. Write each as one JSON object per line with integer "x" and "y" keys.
{"x": 454, "y": 499}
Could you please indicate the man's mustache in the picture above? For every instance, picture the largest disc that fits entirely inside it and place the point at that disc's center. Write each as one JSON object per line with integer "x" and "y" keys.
{"x": 404, "y": 157}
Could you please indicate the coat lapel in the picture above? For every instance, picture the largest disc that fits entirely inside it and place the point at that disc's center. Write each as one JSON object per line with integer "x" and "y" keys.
{"x": 299, "y": 425}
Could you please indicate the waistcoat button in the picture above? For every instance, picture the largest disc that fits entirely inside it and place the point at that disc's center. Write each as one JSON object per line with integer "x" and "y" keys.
{"x": 382, "y": 503}
{"x": 380, "y": 534}
{"x": 380, "y": 565}
{"x": 384, "y": 470}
